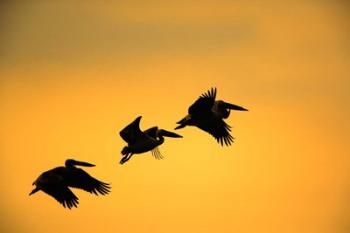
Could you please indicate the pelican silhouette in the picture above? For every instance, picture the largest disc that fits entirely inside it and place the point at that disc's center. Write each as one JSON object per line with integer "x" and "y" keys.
{"x": 208, "y": 114}
{"x": 143, "y": 141}
{"x": 56, "y": 183}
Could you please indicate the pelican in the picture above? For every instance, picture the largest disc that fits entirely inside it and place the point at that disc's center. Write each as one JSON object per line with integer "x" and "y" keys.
{"x": 208, "y": 114}
{"x": 56, "y": 183}
{"x": 143, "y": 141}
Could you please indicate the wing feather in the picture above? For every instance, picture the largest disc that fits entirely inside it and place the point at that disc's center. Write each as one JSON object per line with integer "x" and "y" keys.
{"x": 218, "y": 129}
{"x": 204, "y": 103}
{"x": 82, "y": 180}
{"x": 62, "y": 194}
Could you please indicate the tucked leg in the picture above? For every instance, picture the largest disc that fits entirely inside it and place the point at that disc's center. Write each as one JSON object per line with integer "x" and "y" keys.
{"x": 125, "y": 158}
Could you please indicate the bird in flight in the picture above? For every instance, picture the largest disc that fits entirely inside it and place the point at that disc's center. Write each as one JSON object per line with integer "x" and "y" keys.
{"x": 143, "y": 141}
{"x": 208, "y": 114}
{"x": 57, "y": 181}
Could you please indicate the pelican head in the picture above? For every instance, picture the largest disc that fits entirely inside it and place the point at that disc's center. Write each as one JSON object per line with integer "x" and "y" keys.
{"x": 72, "y": 163}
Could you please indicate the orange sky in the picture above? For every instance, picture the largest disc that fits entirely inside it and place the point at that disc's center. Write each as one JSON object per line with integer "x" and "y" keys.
{"x": 72, "y": 75}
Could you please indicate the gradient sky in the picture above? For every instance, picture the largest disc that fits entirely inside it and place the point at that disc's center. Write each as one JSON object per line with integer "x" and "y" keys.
{"x": 74, "y": 73}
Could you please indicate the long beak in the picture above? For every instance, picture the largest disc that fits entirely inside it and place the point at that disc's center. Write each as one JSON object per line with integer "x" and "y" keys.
{"x": 234, "y": 107}
{"x": 169, "y": 134}
{"x": 84, "y": 164}
{"x": 34, "y": 191}
{"x": 180, "y": 126}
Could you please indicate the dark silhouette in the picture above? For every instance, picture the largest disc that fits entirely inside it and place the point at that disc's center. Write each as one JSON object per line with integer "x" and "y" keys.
{"x": 208, "y": 114}
{"x": 56, "y": 183}
{"x": 140, "y": 142}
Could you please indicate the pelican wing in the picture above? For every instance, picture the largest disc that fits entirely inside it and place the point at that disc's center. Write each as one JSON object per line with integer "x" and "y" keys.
{"x": 218, "y": 129}
{"x": 132, "y": 133}
{"x": 204, "y": 103}
{"x": 62, "y": 194}
{"x": 82, "y": 180}
{"x": 52, "y": 182}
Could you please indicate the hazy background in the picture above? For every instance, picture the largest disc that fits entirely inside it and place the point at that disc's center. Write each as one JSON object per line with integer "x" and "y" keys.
{"x": 74, "y": 73}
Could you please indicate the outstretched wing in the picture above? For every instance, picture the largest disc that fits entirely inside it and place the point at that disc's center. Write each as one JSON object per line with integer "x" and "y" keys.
{"x": 204, "y": 103}
{"x": 54, "y": 185}
{"x": 78, "y": 178}
{"x": 63, "y": 195}
{"x": 131, "y": 133}
{"x": 218, "y": 129}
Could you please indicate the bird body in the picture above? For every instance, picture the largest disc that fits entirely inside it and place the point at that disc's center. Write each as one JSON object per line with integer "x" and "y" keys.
{"x": 145, "y": 145}
{"x": 57, "y": 181}
{"x": 207, "y": 114}
{"x": 143, "y": 141}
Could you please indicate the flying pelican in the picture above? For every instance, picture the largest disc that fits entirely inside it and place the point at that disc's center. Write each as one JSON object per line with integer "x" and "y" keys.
{"x": 208, "y": 114}
{"x": 143, "y": 141}
{"x": 56, "y": 183}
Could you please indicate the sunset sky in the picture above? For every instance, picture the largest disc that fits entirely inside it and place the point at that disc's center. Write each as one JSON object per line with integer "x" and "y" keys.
{"x": 74, "y": 73}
